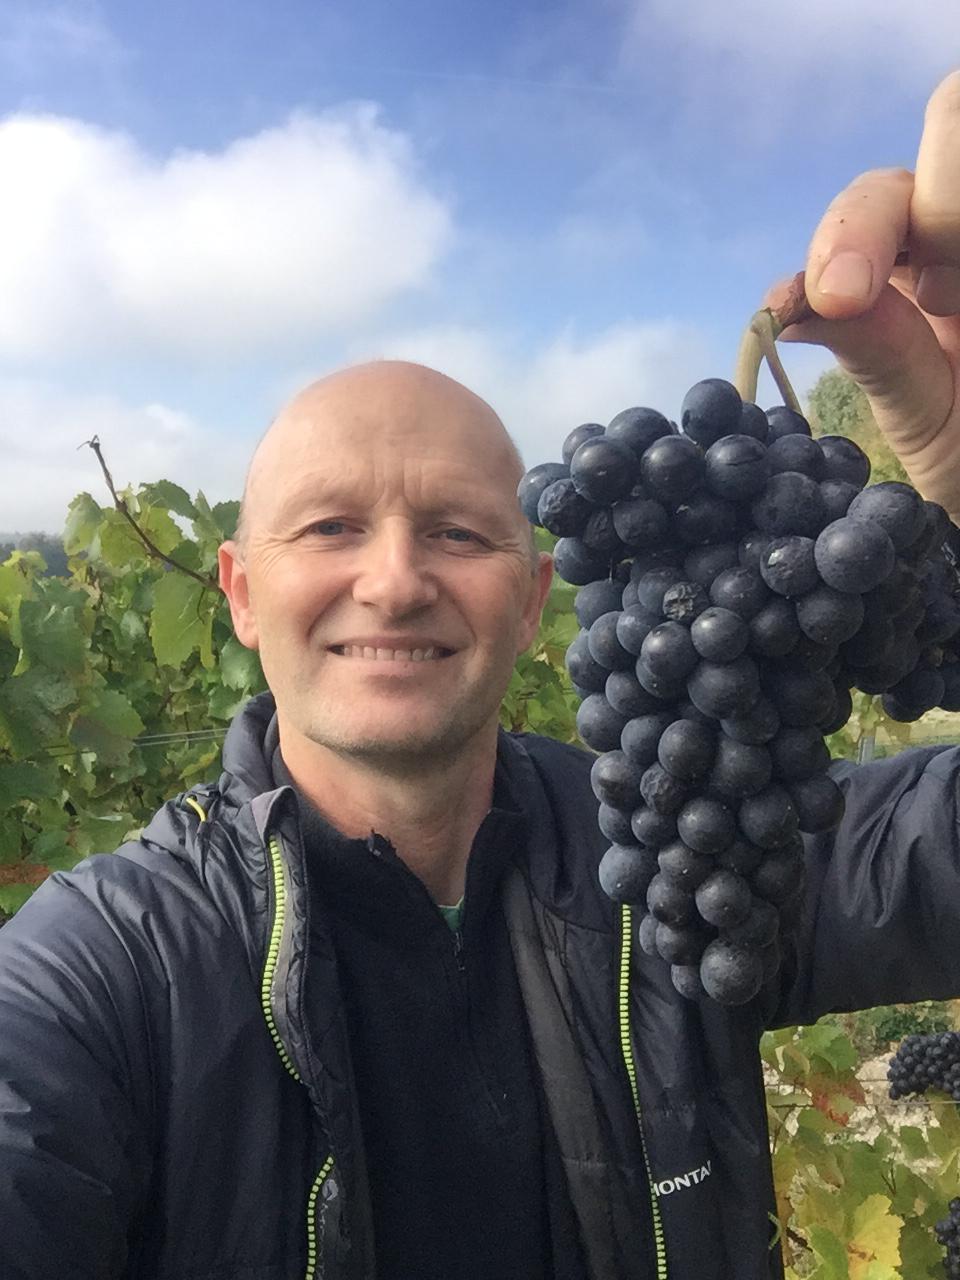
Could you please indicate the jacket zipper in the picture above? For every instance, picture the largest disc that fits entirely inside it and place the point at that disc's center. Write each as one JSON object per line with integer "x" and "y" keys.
{"x": 626, "y": 1048}
{"x": 319, "y": 1186}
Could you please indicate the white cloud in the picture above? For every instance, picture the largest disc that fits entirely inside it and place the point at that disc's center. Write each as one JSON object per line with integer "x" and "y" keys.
{"x": 543, "y": 393}
{"x": 42, "y": 435}
{"x": 300, "y": 230}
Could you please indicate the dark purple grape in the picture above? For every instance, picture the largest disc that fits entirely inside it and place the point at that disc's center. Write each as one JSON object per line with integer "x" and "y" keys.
{"x": 711, "y": 409}
{"x": 785, "y": 422}
{"x": 584, "y": 670}
{"x": 672, "y": 468}
{"x": 895, "y": 507}
{"x": 774, "y": 631}
{"x": 669, "y": 902}
{"x": 596, "y": 598}
{"x": 640, "y": 739}
{"x": 576, "y": 563}
{"x": 779, "y": 875}
{"x": 586, "y": 431}
{"x": 740, "y": 769}
{"x": 615, "y": 780}
{"x": 640, "y": 523}
{"x": 837, "y": 496}
{"x": 603, "y": 470}
{"x": 796, "y": 453}
{"x": 626, "y": 872}
{"x": 753, "y": 422}
{"x": 704, "y": 520}
{"x": 683, "y": 944}
{"x": 790, "y": 503}
{"x": 736, "y": 468}
{"x": 801, "y": 697}
{"x": 562, "y": 511}
{"x": 741, "y": 856}
{"x": 686, "y": 980}
{"x": 651, "y": 828}
{"x": 731, "y": 974}
{"x": 686, "y": 749}
{"x": 755, "y": 726}
{"x": 627, "y": 695}
{"x": 685, "y": 866}
{"x": 598, "y": 725}
{"x": 758, "y": 929}
{"x": 653, "y": 585}
{"x": 917, "y": 693}
{"x": 668, "y": 652}
{"x": 854, "y": 555}
{"x": 751, "y": 547}
{"x": 829, "y": 617}
{"x": 818, "y": 802}
{"x": 719, "y": 635}
{"x": 706, "y": 825}
{"x": 533, "y": 484}
{"x": 615, "y": 824}
{"x": 599, "y": 534}
{"x": 702, "y": 564}
{"x": 787, "y": 565}
{"x": 740, "y": 590}
{"x": 662, "y": 792}
{"x": 647, "y": 935}
{"x": 634, "y": 625}
{"x": 604, "y": 645}
{"x": 842, "y": 711}
{"x": 768, "y": 819}
{"x": 798, "y": 754}
{"x": 723, "y": 899}
{"x": 638, "y": 429}
{"x": 844, "y": 460}
{"x": 684, "y": 601}
{"x": 724, "y": 689}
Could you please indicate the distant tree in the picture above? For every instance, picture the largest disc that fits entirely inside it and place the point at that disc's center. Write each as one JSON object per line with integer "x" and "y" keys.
{"x": 837, "y": 407}
{"x": 49, "y": 545}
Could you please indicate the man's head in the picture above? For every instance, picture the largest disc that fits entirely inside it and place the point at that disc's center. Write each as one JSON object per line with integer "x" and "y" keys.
{"x": 380, "y": 514}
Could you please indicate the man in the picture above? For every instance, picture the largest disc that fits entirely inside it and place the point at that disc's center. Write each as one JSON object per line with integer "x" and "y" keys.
{"x": 360, "y": 1009}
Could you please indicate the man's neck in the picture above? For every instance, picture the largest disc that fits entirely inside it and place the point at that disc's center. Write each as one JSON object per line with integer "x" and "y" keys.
{"x": 430, "y": 816}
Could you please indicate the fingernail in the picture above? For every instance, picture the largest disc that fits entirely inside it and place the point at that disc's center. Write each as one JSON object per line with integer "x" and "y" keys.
{"x": 938, "y": 290}
{"x": 847, "y": 275}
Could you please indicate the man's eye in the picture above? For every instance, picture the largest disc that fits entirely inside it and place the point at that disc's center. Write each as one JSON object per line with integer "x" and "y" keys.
{"x": 460, "y": 535}
{"x": 327, "y": 527}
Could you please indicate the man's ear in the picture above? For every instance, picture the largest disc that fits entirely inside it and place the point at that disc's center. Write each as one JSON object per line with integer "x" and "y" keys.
{"x": 235, "y": 586}
{"x": 539, "y": 590}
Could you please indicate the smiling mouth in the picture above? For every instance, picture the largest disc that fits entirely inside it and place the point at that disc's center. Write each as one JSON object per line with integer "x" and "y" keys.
{"x": 432, "y": 654}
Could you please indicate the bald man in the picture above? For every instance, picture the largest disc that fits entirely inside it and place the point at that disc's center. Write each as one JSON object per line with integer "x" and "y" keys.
{"x": 359, "y": 1009}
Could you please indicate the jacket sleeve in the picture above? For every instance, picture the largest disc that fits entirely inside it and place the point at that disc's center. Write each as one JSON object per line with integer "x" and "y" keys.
{"x": 882, "y": 918}
{"x": 73, "y": 1162}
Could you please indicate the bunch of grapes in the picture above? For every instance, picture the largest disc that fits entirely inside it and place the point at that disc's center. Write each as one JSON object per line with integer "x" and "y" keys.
{"x": 926, "y": 1062}
{"x": 948, "y": 1234}
{"x": 932, "y": 1062}
{"x": 737, "y": 578}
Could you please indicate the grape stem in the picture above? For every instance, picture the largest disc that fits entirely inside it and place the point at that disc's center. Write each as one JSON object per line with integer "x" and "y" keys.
{"x": 759, "y": 343}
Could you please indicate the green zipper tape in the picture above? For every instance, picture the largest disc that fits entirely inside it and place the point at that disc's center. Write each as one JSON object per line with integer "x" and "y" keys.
{"x": 626, "y": 1047}
{"x": 273, "y": 953}
{"x": 312, "y": 1199}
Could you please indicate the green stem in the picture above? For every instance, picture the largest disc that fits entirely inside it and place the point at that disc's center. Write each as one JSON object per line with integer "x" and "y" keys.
{"x": 759, "y": 343}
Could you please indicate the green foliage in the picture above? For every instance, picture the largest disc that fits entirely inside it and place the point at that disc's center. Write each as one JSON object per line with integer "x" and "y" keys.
{"x": 837, "y": 407}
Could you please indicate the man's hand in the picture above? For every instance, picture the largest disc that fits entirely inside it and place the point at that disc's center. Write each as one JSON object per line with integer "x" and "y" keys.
{"x": 896, "y": 329}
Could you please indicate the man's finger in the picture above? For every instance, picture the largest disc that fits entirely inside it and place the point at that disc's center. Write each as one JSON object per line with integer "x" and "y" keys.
{"x": 895, "y": 356}
{"x": 854, "y": 248}
{"x": 935, "y": 203}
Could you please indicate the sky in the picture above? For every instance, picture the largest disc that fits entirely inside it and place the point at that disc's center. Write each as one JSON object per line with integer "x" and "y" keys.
{"x": 571, "y": 207}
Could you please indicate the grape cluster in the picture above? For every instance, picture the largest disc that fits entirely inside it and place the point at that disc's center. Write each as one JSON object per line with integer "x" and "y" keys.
{"x": 948, "y": 1234}
{"x": 737, "y": 578}
{"x": 926, "y": 1062}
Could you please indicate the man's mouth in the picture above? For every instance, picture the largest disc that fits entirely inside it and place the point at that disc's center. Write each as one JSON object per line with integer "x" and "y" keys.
{"x": 366, "y": 652}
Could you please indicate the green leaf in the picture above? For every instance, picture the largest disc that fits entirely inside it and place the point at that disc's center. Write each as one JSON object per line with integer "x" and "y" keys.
{"x": 52, "y": 637}
{"x": 240, "y": 666}
{"x": 29, "y": 707}
{"x": 50, "y": 849}
{"x": 13, "y": 896}
{"x": 176, "y": 624}
{"x": 164, "y": 493}
{"x": 107, "y": 727}
{"x": 227, "y": 515}
{"x": 20, "y": 780}
{"x": 84, "y": 517}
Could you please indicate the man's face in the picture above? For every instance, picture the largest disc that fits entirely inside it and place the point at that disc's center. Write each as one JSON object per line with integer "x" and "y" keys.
{"x": 386, "y": 580}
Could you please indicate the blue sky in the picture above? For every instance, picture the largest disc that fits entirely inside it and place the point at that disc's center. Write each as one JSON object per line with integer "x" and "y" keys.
{"x": 571, "y": 207}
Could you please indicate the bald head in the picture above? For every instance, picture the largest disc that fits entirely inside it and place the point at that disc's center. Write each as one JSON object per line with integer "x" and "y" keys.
{"x": 389, "y": 406}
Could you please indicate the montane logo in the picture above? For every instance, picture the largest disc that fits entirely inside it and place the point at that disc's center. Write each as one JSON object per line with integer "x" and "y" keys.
{"x": 691, "y": 1178}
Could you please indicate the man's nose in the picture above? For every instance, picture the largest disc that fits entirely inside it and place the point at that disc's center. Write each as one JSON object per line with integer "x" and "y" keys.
{"x": 394, "y": 573}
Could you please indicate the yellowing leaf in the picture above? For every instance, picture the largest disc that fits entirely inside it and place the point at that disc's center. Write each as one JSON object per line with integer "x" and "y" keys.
{"x": 874, "y": 1245}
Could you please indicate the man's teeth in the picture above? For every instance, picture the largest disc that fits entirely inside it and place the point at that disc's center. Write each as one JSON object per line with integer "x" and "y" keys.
{"x": 388, "y": 655}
